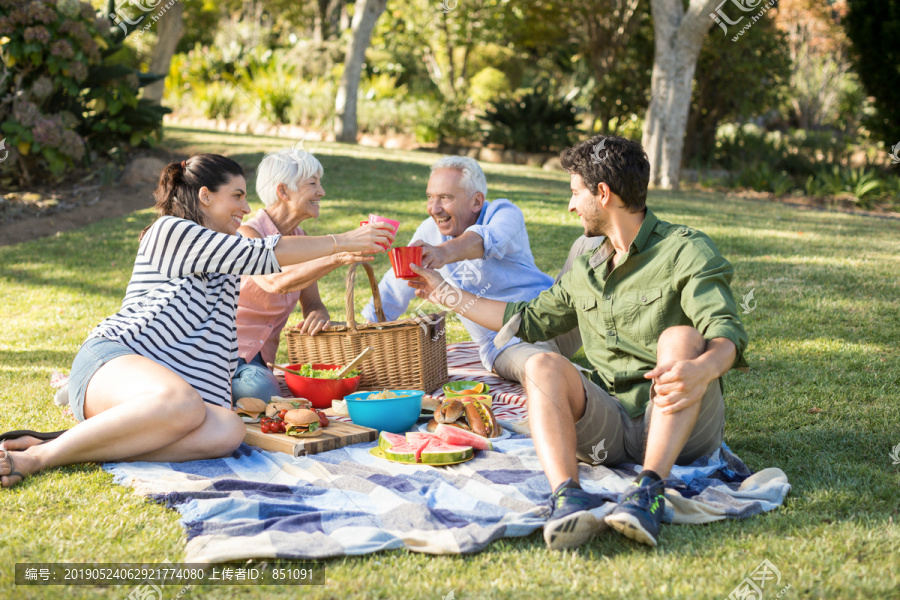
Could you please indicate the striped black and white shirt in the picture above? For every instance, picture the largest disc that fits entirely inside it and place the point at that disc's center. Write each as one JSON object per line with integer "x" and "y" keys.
{"x": 180, "y": 305}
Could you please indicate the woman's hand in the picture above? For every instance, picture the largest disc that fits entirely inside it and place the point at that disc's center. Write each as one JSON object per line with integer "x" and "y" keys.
{"x": 315, "y": 321}
{"x": 368, "y": 239}
{"x": 348, "y": 258}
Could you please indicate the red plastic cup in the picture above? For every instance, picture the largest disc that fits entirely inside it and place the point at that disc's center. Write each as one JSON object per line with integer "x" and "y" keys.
{"x": 401, "y": 258}
{"x": 391, "y": 222}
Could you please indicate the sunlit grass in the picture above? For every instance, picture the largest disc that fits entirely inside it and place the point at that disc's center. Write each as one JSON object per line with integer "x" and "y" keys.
{"x": 820, "y": 401}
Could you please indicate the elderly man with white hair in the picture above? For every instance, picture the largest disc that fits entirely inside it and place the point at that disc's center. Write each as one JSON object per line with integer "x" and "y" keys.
{"x": 480, "y": 247}
{"x": 290, "y": 185}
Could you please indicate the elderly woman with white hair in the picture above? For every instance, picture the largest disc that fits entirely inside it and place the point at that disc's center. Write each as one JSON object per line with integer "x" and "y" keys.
{"x": 290, "y": 185}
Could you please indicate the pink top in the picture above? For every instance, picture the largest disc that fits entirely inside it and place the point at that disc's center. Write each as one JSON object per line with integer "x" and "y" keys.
{"x": 260, "y": 314}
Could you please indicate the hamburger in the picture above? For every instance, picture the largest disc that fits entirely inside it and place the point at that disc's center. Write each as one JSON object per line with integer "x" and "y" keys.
{"x": 249, "y": 409}
{"x": 302, "y": 422}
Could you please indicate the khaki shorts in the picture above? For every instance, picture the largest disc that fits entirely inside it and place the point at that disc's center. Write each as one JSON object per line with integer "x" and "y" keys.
{"x": 607, "y": 435}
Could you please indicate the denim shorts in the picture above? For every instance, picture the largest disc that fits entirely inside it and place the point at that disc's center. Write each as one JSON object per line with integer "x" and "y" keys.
{"x": 92, "y": 355}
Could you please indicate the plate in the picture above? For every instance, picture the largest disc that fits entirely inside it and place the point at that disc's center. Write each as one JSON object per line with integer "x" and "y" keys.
{"x": 424, "y": 429}
{"x": 454, "y": 387}
{"x": 379, "y": 453}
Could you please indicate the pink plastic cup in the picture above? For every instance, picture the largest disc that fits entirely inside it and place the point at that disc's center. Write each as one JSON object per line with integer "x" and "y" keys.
{"x": 402, "y": 256}
{"x": 391, "y": 222}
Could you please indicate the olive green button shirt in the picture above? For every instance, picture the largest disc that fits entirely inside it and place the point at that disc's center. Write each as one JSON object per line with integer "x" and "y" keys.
{"x": 672, "y": 275}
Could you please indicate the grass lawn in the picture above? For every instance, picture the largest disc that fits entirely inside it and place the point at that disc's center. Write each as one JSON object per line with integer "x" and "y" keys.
{"x": 820, "y": 401}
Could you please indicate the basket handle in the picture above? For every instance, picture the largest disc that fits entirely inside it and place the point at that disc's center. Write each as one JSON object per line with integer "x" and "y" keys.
{"x": 376, "y": 296}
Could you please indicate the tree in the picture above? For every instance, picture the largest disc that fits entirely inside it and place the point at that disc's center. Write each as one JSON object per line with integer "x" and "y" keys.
{"x": 327, "y": 20}
{"x": 874, "y": 28}
{"x": 604, "y": 45}
{"x": 678, "y": 39}
{"x": 723, "y": 92}
{"x": 169, "y": 28}
{"x": 447, "y": 37}
{"x": 365, "y": 15}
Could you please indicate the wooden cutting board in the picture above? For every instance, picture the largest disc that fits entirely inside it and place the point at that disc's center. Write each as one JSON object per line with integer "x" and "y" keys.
{"x": 337, "y": 435}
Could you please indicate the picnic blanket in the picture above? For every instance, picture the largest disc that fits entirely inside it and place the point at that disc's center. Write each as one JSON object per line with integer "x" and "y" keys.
{"x": 259, "y": 504}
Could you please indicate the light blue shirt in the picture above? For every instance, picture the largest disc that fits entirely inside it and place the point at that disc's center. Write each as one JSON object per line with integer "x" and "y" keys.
{"x": 506, "y": 272}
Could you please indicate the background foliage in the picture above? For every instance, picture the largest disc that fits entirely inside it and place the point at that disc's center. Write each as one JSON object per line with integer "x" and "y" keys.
{"x": 67, "y": 92}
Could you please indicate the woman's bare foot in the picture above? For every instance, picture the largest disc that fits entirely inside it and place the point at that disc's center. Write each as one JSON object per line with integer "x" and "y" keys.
{"x": 14, "y": 467}
{"x": 22, "y": 443}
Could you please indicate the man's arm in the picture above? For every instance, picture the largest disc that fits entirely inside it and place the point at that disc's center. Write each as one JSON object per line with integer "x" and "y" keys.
{"x": 707, "y": 300}
{"x": 682, "y": 383}
{"x": 502, "y": 234}
{"x": 467, "y": 246}
{"x": 431, "y": 286}
{"x": 548, "y": 315}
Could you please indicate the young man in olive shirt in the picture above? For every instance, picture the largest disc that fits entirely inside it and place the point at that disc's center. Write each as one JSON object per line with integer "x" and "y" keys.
{"x": 660, "y": 327}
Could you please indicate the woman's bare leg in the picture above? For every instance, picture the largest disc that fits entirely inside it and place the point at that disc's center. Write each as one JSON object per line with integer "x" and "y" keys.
{"x": 136, "y": 409}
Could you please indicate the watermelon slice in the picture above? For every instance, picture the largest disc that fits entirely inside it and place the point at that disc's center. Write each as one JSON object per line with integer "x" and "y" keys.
{"x": 437, "y": 452}
{"x": 415, "y": 437}
{"x": 387, "y": 440}
{"x": 461, "y": 437}
{"x": 405, "y": 453}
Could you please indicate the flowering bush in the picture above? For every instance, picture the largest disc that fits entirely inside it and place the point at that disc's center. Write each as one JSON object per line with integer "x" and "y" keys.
{"x": 61, "y": 93}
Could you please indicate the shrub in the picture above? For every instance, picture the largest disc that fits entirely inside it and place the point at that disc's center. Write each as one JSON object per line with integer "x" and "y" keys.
{"x": 314, "y": 103}
{"x": 62, "y": 94}
{"x": 533, "y": 122}
{"x": 382, "y": 86}
{"x": 862, "y": 184}
{"x": 275, "y": 93}
{"x": 488, "y": 85}
{"x": 217, "y": 100}
{"x": 446, "y": 123}
{"x": 762, "y": 178}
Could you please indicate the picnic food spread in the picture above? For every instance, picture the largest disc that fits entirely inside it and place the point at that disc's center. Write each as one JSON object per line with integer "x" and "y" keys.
{"x": 382, "y": 395}
{"x": 466, "y": 413}
{"x": 420, "y": 448}
{"x": 302, "y": 422}
{"x": 307, "y": 370}
{"x": 249, "y": 409}
{"x": 295, "y": 422}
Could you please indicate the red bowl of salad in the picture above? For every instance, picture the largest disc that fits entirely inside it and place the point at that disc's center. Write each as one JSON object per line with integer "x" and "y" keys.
{"x": 320, "y": 386}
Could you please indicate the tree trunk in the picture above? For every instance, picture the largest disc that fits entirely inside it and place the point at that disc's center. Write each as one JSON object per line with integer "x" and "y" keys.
{"x": 320, "y": 25}
{"x": 678, "y": 39}
{"x": 364, "y": 18}
{"x": 334, "y": 19}
{"x": 169, "y": 28}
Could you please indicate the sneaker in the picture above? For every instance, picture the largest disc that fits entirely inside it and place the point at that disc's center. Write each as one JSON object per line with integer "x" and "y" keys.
{"x": 571, "y": 524}
{"x": 62, "y": 395}
{"x": 640, "y": 512}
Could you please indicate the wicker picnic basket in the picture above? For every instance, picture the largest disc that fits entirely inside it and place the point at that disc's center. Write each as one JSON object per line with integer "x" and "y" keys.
{"x": 409, "y": 354}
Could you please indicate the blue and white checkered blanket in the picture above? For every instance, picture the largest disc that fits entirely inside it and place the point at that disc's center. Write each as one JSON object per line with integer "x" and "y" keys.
{"x": 258, "y": 504}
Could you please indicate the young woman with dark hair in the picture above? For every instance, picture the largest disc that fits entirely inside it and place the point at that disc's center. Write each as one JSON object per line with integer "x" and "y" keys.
{"x": 153, "y": 381}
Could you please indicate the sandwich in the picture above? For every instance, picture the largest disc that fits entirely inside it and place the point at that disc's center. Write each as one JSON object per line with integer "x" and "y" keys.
{"x": 249, "y": 409}
{"x": 276, "y": 406}
{"x": 302, "y": 422}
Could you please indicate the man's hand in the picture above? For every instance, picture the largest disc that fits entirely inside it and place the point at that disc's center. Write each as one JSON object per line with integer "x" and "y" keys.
{"x": 316, "y": 321}
{"x": 679, "y": 384}
{"x": 428, "y": 284}
{"x": 433, "y": 257}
